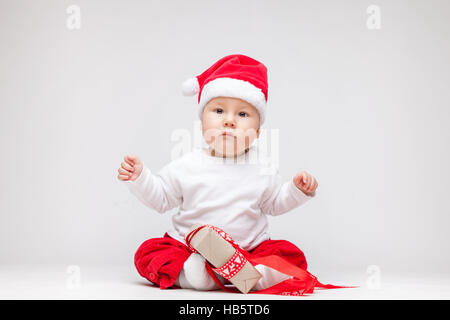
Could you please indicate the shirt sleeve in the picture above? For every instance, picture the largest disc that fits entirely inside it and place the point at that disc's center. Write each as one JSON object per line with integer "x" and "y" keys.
{"x": 158, "y": 191}
{"x": 281, "y": 197}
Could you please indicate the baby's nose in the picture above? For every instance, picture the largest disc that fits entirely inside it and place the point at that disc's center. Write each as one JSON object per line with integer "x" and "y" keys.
{"x": 229, "y": 123}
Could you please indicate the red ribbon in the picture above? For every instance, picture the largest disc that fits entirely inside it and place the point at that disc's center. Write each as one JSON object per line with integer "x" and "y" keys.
{"x": 301, "y": 282}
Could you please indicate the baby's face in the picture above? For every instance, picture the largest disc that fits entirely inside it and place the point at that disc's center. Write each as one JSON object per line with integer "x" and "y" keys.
{"x": 234, "y": 116}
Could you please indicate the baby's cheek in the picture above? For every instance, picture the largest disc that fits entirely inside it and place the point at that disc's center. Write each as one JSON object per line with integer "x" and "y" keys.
{"x": 209, "y": 136}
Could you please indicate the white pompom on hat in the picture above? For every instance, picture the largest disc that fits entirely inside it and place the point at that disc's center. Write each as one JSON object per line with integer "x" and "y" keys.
{"x": 190, "y": 87}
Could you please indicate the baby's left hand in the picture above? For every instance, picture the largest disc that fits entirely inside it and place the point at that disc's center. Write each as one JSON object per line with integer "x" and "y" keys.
{"x": 305, "y": 182}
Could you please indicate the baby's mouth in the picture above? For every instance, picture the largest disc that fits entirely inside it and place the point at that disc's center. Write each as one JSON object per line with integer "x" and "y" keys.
{"x": 227, "y": 134}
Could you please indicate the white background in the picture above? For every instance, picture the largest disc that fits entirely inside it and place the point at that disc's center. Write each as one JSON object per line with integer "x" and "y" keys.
{"x": 364, "y": 111}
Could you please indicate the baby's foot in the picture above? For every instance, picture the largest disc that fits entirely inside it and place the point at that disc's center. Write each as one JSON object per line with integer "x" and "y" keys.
{"x": 195, "y": 276}
{"x": 270, "y": 277}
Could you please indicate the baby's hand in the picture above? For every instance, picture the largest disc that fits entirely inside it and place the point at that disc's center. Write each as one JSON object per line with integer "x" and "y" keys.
{"x": 305, "y": 182}
{"x": 131, "y": 168}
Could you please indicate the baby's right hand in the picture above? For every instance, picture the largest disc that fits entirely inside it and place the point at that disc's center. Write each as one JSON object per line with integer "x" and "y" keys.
{"x": 131, "y": 168}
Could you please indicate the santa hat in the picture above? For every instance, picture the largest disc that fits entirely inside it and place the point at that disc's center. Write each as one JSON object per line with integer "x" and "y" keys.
{"x": 235, "y": 76}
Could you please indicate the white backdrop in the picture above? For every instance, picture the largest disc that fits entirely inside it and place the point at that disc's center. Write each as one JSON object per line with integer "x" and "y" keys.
{"x": 361, "y": 101}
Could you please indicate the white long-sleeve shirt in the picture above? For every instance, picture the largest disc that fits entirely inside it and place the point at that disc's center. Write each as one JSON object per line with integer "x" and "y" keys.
{"x": 232, "y": 194}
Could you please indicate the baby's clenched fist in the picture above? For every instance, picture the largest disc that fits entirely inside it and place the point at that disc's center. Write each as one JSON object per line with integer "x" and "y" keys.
{"x": 131, "y": 168}
{"x": 305, "y": 182}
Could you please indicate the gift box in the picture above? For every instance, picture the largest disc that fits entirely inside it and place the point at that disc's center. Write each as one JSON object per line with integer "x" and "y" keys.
{"x": 224, "y": 254}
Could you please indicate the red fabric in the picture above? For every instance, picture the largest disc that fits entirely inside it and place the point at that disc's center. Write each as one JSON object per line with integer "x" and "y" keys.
{"x": 281, "y": 248}
{"x": 236, "y": 66}
{"x": 160, "y": 260}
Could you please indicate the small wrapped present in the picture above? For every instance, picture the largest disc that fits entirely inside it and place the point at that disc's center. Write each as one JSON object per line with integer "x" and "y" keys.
{"x": 224, "y": 254}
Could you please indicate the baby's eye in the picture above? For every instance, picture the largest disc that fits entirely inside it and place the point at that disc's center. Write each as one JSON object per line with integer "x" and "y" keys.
{"x": 243, "y": 114}
{"x": 218, "y": 110}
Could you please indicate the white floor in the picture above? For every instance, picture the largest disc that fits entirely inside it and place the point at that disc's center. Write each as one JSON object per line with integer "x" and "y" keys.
{"x": 84, "y": 282}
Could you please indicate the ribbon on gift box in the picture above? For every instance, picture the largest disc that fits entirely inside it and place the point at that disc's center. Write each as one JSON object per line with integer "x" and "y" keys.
{"x": 301, "y": 282}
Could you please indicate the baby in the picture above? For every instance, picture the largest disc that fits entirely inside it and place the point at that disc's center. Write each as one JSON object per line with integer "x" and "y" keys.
{"x": 218, "y": 185}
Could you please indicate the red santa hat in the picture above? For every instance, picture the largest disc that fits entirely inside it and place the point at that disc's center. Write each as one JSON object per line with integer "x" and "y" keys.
{"x": 235, "y": 76}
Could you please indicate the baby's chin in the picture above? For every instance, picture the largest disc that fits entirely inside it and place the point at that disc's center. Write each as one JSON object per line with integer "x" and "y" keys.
{"x": 227, "y": 152}
{"x": 228, "y": 146}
